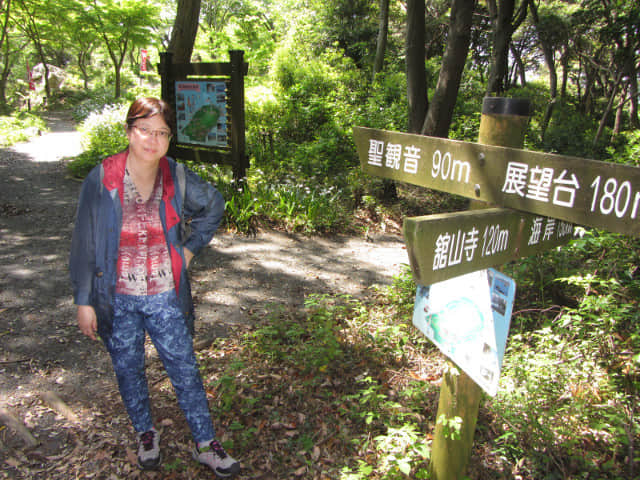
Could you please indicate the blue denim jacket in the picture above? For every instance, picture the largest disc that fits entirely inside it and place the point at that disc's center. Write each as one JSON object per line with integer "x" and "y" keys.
{"x": 96, "y": 236}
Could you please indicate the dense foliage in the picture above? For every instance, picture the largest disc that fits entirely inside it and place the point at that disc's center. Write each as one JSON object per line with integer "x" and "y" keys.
{"x": 567, "y": 407}
{"x": 20, "y": 127}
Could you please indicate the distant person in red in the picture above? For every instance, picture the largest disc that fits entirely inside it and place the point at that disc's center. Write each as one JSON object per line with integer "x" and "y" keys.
{"x": 128, "y": 263}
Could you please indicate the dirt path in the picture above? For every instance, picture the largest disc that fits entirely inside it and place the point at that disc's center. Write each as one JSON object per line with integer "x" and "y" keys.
{"x": 41, "y": 349}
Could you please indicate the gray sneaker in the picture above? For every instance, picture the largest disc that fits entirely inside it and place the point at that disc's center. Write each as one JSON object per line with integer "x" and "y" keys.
{"x": 214, "y": 457}
{"x": 149, "y": 449}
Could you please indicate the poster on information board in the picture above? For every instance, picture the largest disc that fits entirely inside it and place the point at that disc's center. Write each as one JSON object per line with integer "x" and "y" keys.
{"x": 467, "y": 318}
{"x": 201, "y": 113}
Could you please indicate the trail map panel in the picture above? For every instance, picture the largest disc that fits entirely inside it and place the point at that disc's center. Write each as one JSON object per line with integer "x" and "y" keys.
{"x": 201, "y": 113}
{"x": 468, "y": 319}
{"x": 447, "y": 245}
{"x": 586, "y": 192}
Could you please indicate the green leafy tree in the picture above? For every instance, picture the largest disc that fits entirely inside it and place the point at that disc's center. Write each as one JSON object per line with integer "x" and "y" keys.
{"x": 39, "y": 20}
{"x": 353, "y": 25}
{"x": 254, "y": 26}
{"x": 82, "y": 42}
{"x": 121, "y": 25}
{"x": 553, "y": 27}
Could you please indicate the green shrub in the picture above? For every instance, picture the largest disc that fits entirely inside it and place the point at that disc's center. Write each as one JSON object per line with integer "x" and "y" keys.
{"x": 626, "y": 148}
{"x": 19, "y": 127}
{"x": 92, "y": 102}
{"x": 103, "y": 134}
{"x": 570, "y": 381}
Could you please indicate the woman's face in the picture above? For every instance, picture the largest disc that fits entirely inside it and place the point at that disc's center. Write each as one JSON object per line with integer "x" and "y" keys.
{"x": 149, "y": 139}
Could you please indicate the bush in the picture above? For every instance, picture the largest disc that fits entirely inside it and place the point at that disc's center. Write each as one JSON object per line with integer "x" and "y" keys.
{"x": 103, "y": 134}
{"x": 570, "y": 382}
{"x": 626, "y": 148}
{"x": 19, "y": 127}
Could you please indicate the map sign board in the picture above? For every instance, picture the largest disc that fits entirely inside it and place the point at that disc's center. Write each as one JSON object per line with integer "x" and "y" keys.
{"x": 201, "y": 113}
{"x": 468, "y": 319}
{"x": 446, "y": 245}
{"x": 586, "y": 192}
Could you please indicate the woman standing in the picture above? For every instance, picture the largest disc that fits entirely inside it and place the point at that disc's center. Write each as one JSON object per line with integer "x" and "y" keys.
{"x": 128, "y": 268}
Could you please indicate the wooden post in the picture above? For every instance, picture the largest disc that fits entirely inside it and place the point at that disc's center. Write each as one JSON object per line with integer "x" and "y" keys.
{"x": 238, "y": 150}
{"x": 166, "y": 78}
{"x": 503, "y": 123}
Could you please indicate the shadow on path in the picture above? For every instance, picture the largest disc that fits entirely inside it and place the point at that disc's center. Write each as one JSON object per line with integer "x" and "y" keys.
{"x": 40, "y": 345}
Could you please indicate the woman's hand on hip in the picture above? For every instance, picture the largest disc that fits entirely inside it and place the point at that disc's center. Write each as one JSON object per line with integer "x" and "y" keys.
{"x": 87, "y": 321}
{"x": 188, "y": 256}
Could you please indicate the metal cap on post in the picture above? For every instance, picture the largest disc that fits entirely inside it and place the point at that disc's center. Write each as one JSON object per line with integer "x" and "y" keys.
{"x": 504, "y": 121}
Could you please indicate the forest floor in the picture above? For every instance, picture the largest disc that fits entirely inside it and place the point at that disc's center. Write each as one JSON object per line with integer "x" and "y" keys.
{"x": 60, "y": 412}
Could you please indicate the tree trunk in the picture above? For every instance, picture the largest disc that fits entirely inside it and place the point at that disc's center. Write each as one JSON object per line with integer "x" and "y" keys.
{"x": 383, "y": 30}
{"x": 587, "y": 99}
{"x": 549, "y": 58}
{"x": 617, "y": 124}
{"x": 4, "y": 77}
{"x": 438, "y": 119}
{"x": 607, "y": 110}
{"x": 504, "y": 24}
{"x": 5, "y": 9}
{"x": 416, "y": 72}
{"x": 521, "y": 71}
{"x": 564, "y": 61}
{"x": 185, "y": 28}
{"x": 632, "y": 74}
{"x": 4, "y": 45}
{"x": 83, "y": 65}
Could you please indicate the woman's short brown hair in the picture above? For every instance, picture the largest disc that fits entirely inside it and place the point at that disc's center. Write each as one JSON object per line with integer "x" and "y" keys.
{"x": 148, "y": 107}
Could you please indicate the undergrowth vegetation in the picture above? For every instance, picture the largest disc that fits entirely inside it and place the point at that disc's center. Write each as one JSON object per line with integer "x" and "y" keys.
{"x": 20, "y": 127}
{"x": 340, "y": 388}
{"x": 355, "y": 380}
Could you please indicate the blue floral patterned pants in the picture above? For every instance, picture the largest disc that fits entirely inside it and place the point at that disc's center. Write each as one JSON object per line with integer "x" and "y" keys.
{"x": 161, "y": 318}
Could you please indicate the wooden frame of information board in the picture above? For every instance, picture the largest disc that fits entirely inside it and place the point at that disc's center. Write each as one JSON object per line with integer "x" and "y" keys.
{"x": 231, "y": 74}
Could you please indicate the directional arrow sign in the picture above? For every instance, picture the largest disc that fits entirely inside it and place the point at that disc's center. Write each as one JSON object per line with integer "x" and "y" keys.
{"x": 451, "y": 244}
{"x": 586, "y": 192}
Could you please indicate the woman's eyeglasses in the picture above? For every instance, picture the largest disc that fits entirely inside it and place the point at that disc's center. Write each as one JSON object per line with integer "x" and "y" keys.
{"x": 145, "y": 132}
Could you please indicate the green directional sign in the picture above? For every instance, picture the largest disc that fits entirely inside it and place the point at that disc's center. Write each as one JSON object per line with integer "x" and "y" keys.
{"x": 586, "y": 192}
{"x": 447, "y": 245}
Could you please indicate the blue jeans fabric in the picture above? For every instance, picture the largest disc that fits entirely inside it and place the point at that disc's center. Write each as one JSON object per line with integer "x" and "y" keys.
{"x": 161, "y": 318}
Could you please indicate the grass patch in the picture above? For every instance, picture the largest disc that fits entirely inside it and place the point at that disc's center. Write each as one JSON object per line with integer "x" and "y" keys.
{"x": 20, "y": 127}
{"x": 335, "y": 391}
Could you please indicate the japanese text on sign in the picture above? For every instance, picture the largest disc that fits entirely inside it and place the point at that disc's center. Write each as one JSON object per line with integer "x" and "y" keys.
{"x": 456, "y": 247}
{"x": 394, "y": 156}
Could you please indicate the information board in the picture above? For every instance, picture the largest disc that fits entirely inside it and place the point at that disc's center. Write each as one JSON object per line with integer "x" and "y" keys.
{"x": 201, "y": 113}
{"x": 468, "y": 318}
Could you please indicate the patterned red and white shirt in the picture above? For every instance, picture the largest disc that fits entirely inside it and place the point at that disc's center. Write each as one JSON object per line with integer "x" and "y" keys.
{"x": 144, "y": 265}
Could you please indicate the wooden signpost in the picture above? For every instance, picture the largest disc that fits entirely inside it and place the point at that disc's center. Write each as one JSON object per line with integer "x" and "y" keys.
{"x": 451, "y": 244}
{"x": 585, "y": 192}
{"x": 533, "y": 186}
